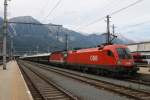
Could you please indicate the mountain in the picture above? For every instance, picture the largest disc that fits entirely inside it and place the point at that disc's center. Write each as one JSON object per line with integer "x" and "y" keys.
{"x": 30, "y": 38}
{"x": 78, "y": 40}
{"x": 28, "y": 29}
{"x": 43, "y": 38}
{"x": 1, "y": 22}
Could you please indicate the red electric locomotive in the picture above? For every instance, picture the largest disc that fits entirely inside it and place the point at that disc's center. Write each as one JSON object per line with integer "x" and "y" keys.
{"x": 104, "y": 59}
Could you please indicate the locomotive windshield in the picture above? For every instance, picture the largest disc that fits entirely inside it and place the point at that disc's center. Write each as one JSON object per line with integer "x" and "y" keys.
{"x": 124, "y": 53}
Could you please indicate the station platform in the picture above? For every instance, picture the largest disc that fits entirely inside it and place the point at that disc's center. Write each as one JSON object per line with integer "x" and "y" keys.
{"x": 144, "y": 73}
{"x": 144, "y": 70}
{"x": 12, "y": 84}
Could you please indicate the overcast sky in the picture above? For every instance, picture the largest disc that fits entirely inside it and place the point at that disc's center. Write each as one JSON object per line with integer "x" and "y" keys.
{"x": 133, "y": 23}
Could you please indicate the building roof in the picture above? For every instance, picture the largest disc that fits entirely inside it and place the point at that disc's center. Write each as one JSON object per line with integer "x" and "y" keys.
{"x": 139, "y": 43}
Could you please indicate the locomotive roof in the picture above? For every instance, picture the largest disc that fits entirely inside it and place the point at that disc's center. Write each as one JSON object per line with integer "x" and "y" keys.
{"x": 95, "y": 49}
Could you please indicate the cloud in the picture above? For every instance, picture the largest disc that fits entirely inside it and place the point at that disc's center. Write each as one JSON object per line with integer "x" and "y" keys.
{"x": 138, "y": 32}
{"x": 76, "y": 13}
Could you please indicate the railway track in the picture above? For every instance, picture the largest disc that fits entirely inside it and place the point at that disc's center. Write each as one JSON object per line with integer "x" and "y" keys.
{"x": 34, "y": 91}
{"x": 123, "y": 90}
{"x": 42, "y": 88}
{"x": 139, "y": 81}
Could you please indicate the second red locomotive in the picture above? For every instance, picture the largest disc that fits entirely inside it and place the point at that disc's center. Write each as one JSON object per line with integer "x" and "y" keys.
{"x": 104, "y": 59}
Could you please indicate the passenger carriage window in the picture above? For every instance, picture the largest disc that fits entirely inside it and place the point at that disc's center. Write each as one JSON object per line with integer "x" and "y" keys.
{"x": 110, "y": 53}
{"x": 148, "y": 57}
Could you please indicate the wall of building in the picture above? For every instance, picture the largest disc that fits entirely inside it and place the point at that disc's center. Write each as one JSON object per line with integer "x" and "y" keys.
{"x": 141, "y": 47}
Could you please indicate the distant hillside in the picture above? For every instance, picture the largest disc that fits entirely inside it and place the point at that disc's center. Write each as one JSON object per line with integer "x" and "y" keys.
{"x": 1, "y": 22}
{"x": 77, "y": 39}
{"x": 31, "y": 38}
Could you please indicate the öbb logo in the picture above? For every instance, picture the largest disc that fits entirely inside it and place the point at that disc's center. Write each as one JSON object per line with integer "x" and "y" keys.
{"x": 94, "y": 58}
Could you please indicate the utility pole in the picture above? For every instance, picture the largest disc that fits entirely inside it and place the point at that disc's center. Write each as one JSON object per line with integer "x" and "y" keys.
{"x": 59, "y": 28}
{"x": 5, "y": 35}
{"x": 37, "y": 49}
{"x": 11, "y": 42}
{"x": 66, "y": 44}
{"x": 113, "y": 29}
{"x": 113, "y": 34}
{"x": 108, "y": 29}
{"x": 57, "y": 33}
{"x": 11, "y": 49}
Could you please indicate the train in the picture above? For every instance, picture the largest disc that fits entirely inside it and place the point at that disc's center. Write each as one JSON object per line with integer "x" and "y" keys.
{"x": 104, "y": 59}
{"x": 141, "y": 58}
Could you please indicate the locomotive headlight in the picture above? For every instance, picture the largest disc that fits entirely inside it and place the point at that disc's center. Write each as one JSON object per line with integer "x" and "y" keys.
{"x": 119, "y": 62}
{"x": 129, "y": 63}
{"x": 132, "y": 63}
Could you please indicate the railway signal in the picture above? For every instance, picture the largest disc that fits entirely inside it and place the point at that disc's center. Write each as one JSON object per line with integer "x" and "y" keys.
{"x": 113, "y": 29}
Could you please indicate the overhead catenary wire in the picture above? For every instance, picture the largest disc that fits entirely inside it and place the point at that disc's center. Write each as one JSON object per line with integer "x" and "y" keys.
{"x": 44, "y": 6}
{"x": 128, "y": 6}
{"x": 113, "y": 13}
{"x": 135, "y": 25}
{"x": 33, "y": 23}
{"x": 52, "y": 10}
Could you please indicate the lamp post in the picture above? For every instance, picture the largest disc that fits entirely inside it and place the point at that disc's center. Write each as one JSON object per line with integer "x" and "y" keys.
{"x": 5, "y": 35}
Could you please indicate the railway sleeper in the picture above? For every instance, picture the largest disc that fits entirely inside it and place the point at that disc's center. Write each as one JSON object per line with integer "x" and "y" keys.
{"x": 56, "y": 97}
{"x": 146, "y": 98}
{"x": 54, "y": 93}
{"x": 141, "y": 95}
{"x": 51, "y": 91}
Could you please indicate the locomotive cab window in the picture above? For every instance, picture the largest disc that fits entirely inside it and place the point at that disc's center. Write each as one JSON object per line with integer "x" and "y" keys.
{"x": 124, "y": 53}
{"x": 110, "y": 53}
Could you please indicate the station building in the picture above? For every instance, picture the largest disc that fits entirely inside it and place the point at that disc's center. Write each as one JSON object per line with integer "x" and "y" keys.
{"x": 143, "y": 48}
